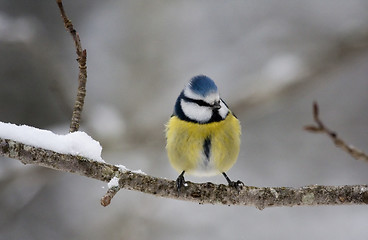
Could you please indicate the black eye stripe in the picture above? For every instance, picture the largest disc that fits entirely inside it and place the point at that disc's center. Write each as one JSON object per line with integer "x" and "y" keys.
{"x": 198, "y": 102}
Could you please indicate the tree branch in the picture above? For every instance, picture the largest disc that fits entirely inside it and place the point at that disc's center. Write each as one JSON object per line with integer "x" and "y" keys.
{"x": 321, "y": 128}
{"x": 203, "y": 193}
{"x": 82, "y": 76}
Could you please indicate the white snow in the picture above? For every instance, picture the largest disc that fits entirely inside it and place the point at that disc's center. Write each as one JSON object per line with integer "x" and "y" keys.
{"x": 76, "y": 143}
{"x": 138, "y": 171}
{"x": 114, "y": 182}
{"x": 124, "y": 169}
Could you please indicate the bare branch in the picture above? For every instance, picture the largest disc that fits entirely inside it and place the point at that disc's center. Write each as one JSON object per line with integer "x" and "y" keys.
{"x": 82, "y": 76}
{"x": 321, "y": 128}
{"x": 203, "y": 193}
{"x": 106, "y": 199}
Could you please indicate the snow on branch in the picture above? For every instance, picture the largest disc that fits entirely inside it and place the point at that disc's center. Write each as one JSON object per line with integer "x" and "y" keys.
{"x": 76, "y": 143}
{"x": 203, "y": 193}
{"x": 79, "y": 153}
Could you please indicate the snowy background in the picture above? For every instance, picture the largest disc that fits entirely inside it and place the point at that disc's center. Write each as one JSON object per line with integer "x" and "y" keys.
{"x": 270, "y": 60}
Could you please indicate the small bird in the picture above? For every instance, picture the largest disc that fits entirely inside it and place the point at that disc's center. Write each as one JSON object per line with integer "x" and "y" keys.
{"x": 203, "y": 135}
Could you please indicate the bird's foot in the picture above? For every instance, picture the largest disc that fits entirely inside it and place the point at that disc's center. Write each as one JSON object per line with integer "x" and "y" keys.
{"x": 238, "y": 185}
{"x": 180, "y": 181}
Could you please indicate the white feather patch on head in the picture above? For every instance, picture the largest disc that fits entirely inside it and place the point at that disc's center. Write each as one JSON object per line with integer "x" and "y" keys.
{"x": 196, "y": 112}
{"x": 190, "y": 94}
{"x": 223, "y": 111}
{"x": 211, "y": 98}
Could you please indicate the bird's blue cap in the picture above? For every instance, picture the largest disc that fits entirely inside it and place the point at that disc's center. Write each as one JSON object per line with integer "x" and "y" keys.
{"x": 202, "y": 85}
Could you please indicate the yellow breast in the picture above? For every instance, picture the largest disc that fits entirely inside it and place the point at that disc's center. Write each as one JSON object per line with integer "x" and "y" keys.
{"x": 185, "y": 143}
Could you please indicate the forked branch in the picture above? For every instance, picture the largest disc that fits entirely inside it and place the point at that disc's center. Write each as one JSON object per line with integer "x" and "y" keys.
{"x": 321, "y": 128}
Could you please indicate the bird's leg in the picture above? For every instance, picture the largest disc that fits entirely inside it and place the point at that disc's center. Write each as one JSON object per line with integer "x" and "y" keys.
{"x": 180, "y": 181}
{"x": 238, "y": 184}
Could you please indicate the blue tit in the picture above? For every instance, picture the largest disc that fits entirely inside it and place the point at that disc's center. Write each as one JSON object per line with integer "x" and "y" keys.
{"x": 203, "y": 135}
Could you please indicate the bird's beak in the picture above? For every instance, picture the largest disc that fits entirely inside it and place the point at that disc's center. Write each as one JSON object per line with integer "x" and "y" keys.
{"x": 216, "y": 105}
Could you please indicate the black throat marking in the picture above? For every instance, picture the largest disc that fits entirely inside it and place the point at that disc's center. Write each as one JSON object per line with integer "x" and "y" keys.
{"x": 207, "y": 147}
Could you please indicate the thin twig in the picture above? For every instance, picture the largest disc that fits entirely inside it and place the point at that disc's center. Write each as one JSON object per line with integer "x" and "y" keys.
{"x": 82, "y": 76}
{"x": 106, "y": 199}
{"x": 321, "y": 128}
{"x": 203, "y": 193}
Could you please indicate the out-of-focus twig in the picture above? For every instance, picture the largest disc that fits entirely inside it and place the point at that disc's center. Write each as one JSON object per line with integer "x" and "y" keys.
{"x": 321, "y": 128}
{"x": 82, "y": 76}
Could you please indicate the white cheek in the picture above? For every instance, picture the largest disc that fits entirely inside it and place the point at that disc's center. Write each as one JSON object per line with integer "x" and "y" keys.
{"x": 195, "y": 112}
{"x": 223, "y": 111}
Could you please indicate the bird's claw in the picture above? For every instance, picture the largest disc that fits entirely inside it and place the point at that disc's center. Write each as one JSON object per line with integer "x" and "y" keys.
{"x": 238, "y": 185}
{"x": 180, "y": 181}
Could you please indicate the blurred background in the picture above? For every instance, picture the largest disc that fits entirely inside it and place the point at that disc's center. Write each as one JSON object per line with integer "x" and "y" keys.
{"x": 270, "y": 60}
